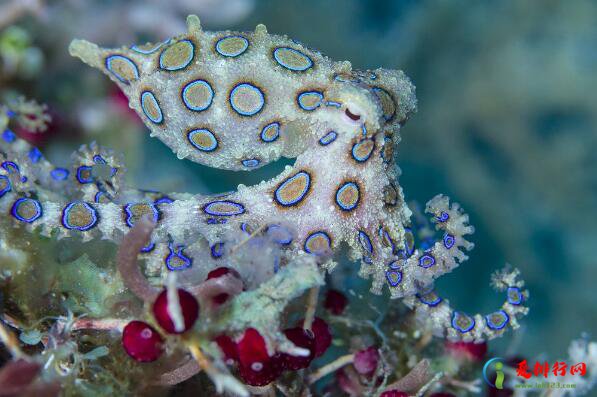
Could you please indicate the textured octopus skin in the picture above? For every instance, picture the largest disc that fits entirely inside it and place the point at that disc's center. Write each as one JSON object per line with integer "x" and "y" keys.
{"x": 239, "y": 100}
{"x": 309, "y": 97}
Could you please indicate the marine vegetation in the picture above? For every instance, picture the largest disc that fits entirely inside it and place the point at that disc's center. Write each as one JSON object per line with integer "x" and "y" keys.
{"x": 138, "y": 290}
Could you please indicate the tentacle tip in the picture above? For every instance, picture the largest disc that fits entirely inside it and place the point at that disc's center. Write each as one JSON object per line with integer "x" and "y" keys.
{"x": 261, "y": 30}
{"x": 84, "y": 50}
{"x": 193, "y": 24}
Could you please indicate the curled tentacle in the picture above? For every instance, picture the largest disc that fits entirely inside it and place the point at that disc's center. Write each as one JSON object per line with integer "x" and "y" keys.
{"x": 455, "y": 325}
{"x": 128, "y": 252}
{"x": 98, "y": 173}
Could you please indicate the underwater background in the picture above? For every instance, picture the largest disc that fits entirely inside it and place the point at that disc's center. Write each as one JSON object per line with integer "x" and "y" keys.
{"x": 506, "y": 123}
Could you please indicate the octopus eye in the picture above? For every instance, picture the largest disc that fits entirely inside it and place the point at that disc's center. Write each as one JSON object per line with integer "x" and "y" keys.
{"x": 351, "y": 115}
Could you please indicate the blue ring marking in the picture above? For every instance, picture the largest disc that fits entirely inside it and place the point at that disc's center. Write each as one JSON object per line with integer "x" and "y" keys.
{"x": 457, "y": 327}
{"x": 108, "y": 63}
{"x": 217, "y": 250}
{"x": 80, "y": 176}
{"x": 7, "y": 188}
{"x": 10, "y": 114}
{"x": 276, "y": 135}
{"x": 235, "y": 208}
{"x": 177, "y": 253}
{"x": 148, "y": 95}
{"x": 163, "y": 200}
{"x": 328, "y": 138}
{"x": 356, "y": 146}
{"x": 193, "y": 84}
{"x": 34, "y": 155}
{"x": 342, "y": 189}
{"x": 395, "y": 265}
{"x": 386, "y": 141}
{"x": 302, "y": 195}
{"x": 232, "y": 55}
{"x": 364, "y": 129}
{"x": 365, "y": 242}
{"x": 210, "y": 135}
{"x": 316, "y": 235}
{"x": 342, "y": 79}
{"x": 449, "y": 241}
{"x": 129, "y": 214}
{"x": 138, "y": 49}
{"x": 436, "y": 300}
{"x": 185, "y": 63}
{"x": 98, "y": 196}
{"x": 394, "y": 277}
{"x": 88, "y": 207}
{"x": 250, "y": 163}
{"x": 246, "y": 228}
{"x": 148, "y": 248}
{"x": 286, "y": 237}
{"x": 254, "y": 89}
{"x": 11, "y": 167}
{"x": 61, "y": 174}
{"x": 97, "y": 159}
{"x": 312, "y": 107}
{"x": 9, "y": 136}
{"x": 21, "y": 201}
{"x": 377, "y": 90}
{"x": 294, "y": 69}
{"x": 384, "y": 234}
{"x": 444, "y": 216}
{"x": 494, "y": 326}
{"x": 426, "y": 260}
{"x": 519, "y": 297}
{"x": 333, "y": 103}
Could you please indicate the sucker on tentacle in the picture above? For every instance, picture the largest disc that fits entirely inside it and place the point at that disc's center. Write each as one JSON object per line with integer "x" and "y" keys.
{"x": 240, "y": 100}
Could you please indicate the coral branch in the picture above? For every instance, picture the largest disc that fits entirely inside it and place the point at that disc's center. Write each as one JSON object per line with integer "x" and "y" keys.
{"x": 107, "y": 324}
{"x": 414, "y": 380}
{"x": 222, "y": 381}
{"x": 129, "y": 249}
{"x": 311, "y": 306}
{"x": 331, "y": 367}
{"x": 178, "y": 375}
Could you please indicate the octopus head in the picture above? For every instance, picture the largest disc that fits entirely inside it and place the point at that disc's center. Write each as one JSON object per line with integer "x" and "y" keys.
{"x": 380, "y": 100}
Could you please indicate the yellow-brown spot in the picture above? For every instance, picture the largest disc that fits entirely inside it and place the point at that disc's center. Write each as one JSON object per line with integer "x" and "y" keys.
{"x": 347, "y": 196}
{"x": 318, "y": 243}
{"x": 292, "y": 59}
{"x": 79, "y": 216}
{"x": 388, "y": 105}
{"x": 232, "y": 46}
{"x": 197, "y": 95}
{"x": 390, "y": 195}
{"x": 123, "y": 68}
{"x": 247, "y": 99}
{"x": 135, "y": 211}
{"x": 362, "y": 150}
{"x": 177, "y": 56}
{"x": 293, "y": 190}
